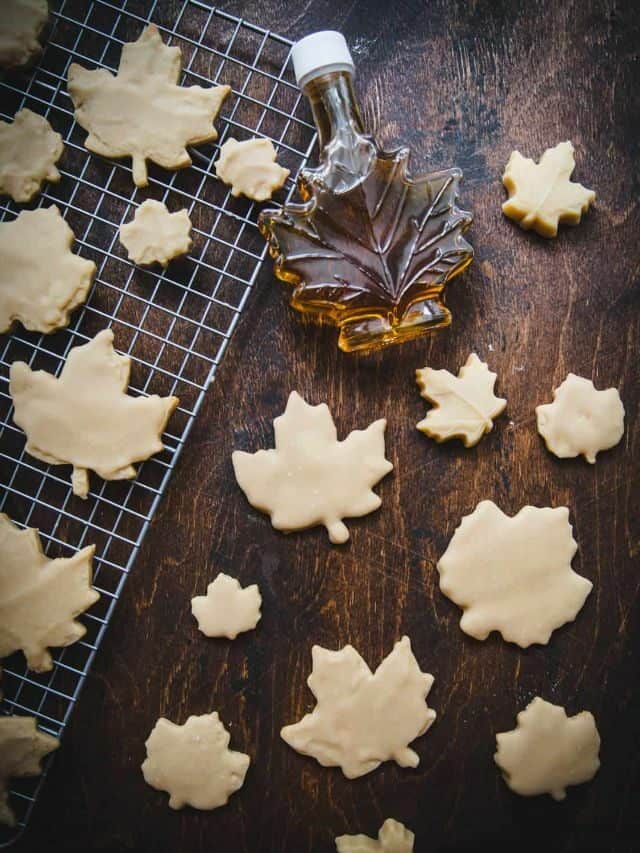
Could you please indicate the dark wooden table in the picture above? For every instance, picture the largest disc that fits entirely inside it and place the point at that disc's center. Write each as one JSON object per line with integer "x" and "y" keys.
{"x": 462, "y": 83}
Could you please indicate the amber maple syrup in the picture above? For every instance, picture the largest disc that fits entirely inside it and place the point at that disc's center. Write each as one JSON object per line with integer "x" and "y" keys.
{"x": 367, "y": 248}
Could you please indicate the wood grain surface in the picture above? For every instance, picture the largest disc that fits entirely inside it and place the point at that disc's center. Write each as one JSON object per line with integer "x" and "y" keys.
{"x": 462, "y": 83}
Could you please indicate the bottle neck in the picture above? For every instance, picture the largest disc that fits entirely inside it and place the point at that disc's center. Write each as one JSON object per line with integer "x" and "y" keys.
{"x": 334, "y": 107}
{"x": 346, "y": 152}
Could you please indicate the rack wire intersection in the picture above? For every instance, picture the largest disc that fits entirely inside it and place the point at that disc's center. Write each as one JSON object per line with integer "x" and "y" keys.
{"x": 175, "y": 324}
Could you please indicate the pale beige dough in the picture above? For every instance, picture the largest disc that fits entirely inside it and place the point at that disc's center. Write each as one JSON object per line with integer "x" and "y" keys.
{"x": 541, "y": 195}
{"x": 581, "y": 420}
{"x": 22, "y": 748}
{"x": 193, "y": 762}
{"x": 40, "y": 598}
{"x": 250, "y": 168}
{"x": 155, "y": 235}
{"x": 142, "y": 112}
{"x": 41, "y": 280}
{"x": 393, "y": 837}
{"x": 513, "y": 575}
{"x": 85, "y": 417}
{"x": 547, "y": 751}
{"x": 227, "y": 609}
{"x": 21, "y": 22}
{"x": 29, "y": 151}
{"x": 362, "y": 718}
{"x": 310, "y": 477}
{"x": 464, "y": 405}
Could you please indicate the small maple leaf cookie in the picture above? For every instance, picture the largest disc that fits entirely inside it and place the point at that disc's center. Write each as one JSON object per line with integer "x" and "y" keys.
{"x": 40, "y": 598}
{"x": 547, "y": 751}
{"x": 35, "y": 250}
{"x": 250, "y": 168}
{"x": 310, "y": 477}
{"x": 393, "y": 837}
{"x": 22, "y": 748}
{"x": 581, "y": 420}
{"x": 464, "y": 405}
{"x": 155, "y": 235}
{"x": 85, "y": 417}
{"x": 227, "y": 609}
{"x": 362, "y": 718}
{"x": 541, "y": 194}
{"x": 193, "y": 762}
{"x": 22, "y": 23}
{"x": 29, "y": 151}
{"x": 142, "y": 112}
{"x": 513, "y": 575}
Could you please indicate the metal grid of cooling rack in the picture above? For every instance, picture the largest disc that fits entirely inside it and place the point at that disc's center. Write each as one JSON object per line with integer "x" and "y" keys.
{"x": 175, "y": 324}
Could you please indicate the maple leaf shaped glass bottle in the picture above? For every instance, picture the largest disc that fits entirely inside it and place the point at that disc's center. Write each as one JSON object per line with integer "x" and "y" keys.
{"x": 368, "y": 249}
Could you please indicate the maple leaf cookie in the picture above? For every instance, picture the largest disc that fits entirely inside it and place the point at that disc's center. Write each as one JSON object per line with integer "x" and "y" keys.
{"x": 155, "y": 235}
{"x": 40, "y": 598}
{"x": 227, "y": 609}
{"x": 547, "y": 751}
{"x": 142, "y": 112}
{"x": 541, "y": 195}
{"x": 310, "y": 477}
{"x": 363, "y": 718}
{"x": 35, "y": 250}
{"x": 22, "y": 748}
{"x": 22, "y": 23}
{"x": 29, "y": 151}
{"x": 464, "y": 405}
{"x": 581, "y": 420}
{"x": 513, "y": 575}
{"x": 250, "y": 168}
{"x": 393, "y": 837}
{"x": 193, "y": 762}
{"x": 85, "y": 417}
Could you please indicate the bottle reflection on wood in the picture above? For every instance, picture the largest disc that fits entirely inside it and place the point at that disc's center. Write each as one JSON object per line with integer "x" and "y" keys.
{"x": 368, "y": 248}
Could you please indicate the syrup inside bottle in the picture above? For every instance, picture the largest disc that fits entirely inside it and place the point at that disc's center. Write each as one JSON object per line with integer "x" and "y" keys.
{"x": 368, "y": 248}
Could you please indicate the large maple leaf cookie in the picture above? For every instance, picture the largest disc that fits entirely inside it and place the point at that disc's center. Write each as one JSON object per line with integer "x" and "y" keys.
{"x": 310, "y": 477}
{"x": 513, "y": 575}
{"x": 22, "y": 748}
{"x": 40, "y": 598}
{"x": 35, "y": 251}
{"x": 85, "y": 417}
{"x": 363, "y": 718}
{"x": 142, "y": 112}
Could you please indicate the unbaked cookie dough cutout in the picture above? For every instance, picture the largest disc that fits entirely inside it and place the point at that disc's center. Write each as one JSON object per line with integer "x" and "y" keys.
{"x": 22, "y": 748}
{"x": 581, "y": 420}
{"x": 250, "y": 168}
{"x": 464, "y": 405}
{"x": 39, "y": 597}
{"x": 29, "y": 151}
{"x": 393, "y": 837}
{"x": 35, "y": 253}
{"x": 85, "y": 417}
{"x": 363, "y": 718}
{"x": 142, "y": 112}
{"x": 311, "y": 478}
{"x": 548, "y": 751}
{"x": 155, "y": 235}
{"x": 193, "y": 762}
{"x": 227, "y": 609}
{"x": 513, "y": 575}
{"x": 541, "y": 195}
{"x": 21, "y": 24}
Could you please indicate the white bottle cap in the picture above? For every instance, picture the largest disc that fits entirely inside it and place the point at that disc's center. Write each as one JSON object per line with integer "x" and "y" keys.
{"x": 320, "y": 53}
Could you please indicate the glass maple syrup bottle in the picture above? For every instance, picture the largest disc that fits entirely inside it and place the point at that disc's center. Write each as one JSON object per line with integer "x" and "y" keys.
{"x": 368, "y": 249}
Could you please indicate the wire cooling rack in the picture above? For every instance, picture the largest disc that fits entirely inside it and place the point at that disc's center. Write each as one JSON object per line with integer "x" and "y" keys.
{"x": 175, "y": 324}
